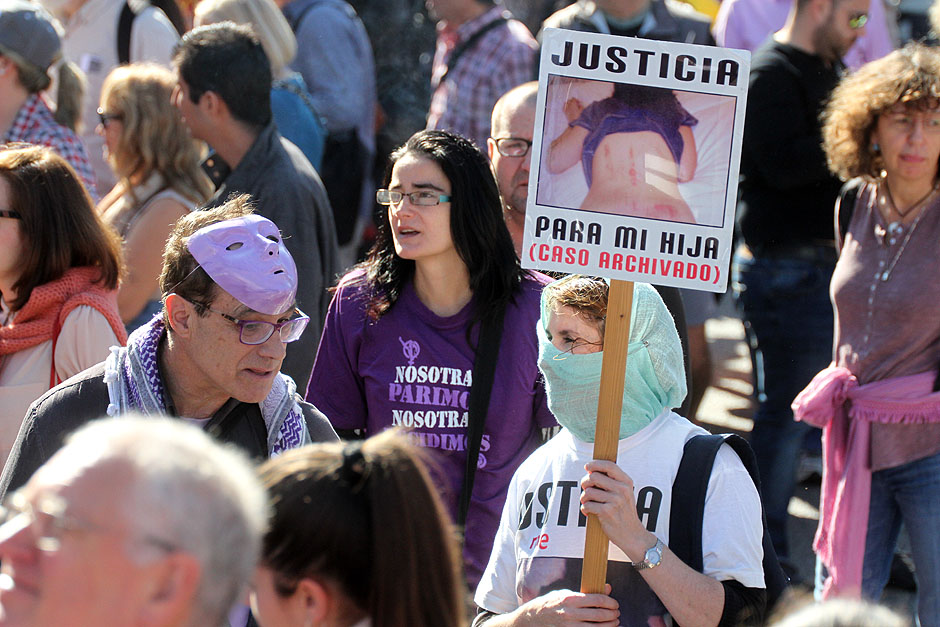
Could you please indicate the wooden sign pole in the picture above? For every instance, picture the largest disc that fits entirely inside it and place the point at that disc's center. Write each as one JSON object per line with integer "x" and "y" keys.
{"x": 606, "y": 434}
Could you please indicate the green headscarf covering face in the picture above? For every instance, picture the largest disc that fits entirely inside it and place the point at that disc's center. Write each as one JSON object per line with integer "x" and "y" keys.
{"x": 654, "y": 378}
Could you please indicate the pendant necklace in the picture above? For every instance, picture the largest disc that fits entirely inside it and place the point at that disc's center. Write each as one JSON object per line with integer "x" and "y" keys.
{"x": 896, "y": 228}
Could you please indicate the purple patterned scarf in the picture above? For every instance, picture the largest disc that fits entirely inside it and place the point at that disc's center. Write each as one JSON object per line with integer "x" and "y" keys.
{"x": 133, "y": 379}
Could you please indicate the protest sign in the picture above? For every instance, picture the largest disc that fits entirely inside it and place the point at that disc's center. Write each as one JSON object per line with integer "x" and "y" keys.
{"x": 634, "y": 177}
{"x": 635, "y": 159}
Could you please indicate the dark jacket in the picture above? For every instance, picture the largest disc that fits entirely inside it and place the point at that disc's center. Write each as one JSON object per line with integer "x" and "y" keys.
{"x": 287, "y": 190}
{"x": 84, "y": 398}
{"x": 667, "y": 21}
{"x": 787, "y": 192}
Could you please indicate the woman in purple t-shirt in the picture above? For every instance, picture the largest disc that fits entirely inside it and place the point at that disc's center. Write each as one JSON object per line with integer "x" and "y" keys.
{"x": 398, "y": 345}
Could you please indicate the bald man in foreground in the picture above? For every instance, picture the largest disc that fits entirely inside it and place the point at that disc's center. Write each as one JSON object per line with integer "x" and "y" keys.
{"x": 135, "y": 521}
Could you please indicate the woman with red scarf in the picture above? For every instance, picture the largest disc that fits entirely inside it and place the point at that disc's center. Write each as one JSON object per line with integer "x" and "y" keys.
{"x": 59, "y": 269}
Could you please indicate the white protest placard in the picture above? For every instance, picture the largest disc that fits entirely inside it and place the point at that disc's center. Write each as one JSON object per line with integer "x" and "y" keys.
{"x": 635, "y": 159}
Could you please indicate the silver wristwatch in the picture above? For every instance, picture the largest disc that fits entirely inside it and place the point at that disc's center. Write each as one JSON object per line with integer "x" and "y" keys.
{"x": 653, "y": 556}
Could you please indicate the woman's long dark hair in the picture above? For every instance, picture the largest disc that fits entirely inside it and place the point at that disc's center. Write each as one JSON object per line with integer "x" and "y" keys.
{"x": 367, "y": 517}
{"x": 476, "y": 226}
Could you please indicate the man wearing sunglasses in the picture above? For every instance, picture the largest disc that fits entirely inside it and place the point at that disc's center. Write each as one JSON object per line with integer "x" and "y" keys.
{"x": 213, "y": 357}
{"x": 747, "y": 24}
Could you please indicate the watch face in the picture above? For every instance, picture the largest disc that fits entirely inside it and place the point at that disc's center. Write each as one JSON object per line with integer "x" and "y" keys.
{"x": 652, "y": 557}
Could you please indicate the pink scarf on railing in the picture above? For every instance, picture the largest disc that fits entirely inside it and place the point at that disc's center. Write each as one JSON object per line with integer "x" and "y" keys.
{"x": 845, "y": 410}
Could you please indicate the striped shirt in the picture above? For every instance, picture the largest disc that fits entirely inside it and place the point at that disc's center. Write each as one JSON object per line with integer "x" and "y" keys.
{"x": 35, "y": 124}
{"x": 501, "y": 59}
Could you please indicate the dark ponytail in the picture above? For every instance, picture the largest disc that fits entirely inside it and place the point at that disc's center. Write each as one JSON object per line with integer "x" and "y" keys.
{"x": 366, "y": 516}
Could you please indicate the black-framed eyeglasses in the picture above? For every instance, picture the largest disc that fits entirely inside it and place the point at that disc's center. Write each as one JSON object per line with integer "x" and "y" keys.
{"x": 9, "y": 213}
{"x": 48, "y": 522}
{"x": 105, "y": 118}
{"x": 858, "y": 20}
{"x": 254, "y": 332}
{"x": 512, "y": 146}
{"x": 419, "y": 198}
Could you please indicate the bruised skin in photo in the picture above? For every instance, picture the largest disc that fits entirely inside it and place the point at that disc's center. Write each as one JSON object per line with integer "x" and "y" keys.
{"x": 632, "y": 172}
{"x": 634, "y": 175}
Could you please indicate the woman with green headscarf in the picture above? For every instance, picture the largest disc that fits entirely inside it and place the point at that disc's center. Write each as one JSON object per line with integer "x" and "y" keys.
{"x": 536, "y": 560}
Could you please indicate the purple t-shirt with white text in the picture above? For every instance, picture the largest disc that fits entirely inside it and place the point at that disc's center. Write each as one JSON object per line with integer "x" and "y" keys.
{"x": 412, "y": 368}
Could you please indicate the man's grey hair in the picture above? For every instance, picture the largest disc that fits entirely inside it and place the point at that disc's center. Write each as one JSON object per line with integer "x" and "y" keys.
{"x": 188, "y": 490}
{"x": 843, "y": 613}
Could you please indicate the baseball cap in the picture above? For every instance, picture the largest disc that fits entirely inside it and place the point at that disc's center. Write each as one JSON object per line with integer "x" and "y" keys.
{"x": 27, "y": 31}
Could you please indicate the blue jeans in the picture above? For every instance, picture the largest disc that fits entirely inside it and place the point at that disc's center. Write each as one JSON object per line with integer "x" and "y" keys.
{"x": 784, "y": 303}
{"x": 910, "y": 494}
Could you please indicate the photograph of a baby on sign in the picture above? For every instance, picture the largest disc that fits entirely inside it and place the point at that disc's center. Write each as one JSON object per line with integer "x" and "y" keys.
{"x": 635, "y": 150}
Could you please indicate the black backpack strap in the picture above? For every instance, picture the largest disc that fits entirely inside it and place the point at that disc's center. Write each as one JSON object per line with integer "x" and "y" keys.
{"x": 688, "y": 507}
{"x": 775, "y": 580}
{"x": 128, "y": 12}
{"x": 688, "y": 498}
{"x": 845, "y": 206}
{"x": 466, "y": 45}
{"x": 484, "y": 371}
{"x": 125, "y": 22}
{"x": 173, "y": 13}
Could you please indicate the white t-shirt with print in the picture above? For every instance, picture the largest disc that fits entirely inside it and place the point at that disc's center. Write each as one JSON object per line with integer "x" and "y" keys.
{"x": 540, "y": 541}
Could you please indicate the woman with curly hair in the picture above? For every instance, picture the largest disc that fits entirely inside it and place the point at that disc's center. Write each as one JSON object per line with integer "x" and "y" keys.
{"x": 157, "y": 164}
{"x": 877, "y": 402}
{"x": 403, "y": 331}
{"x": 59, "y": 269}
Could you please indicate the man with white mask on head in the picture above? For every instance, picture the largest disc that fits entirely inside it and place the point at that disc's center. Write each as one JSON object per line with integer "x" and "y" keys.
{"x": 212, "y": 358}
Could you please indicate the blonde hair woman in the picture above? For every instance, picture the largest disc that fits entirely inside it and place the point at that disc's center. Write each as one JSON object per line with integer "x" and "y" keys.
{"x": 291, "y": 104}
{"x": 157, "y": 164}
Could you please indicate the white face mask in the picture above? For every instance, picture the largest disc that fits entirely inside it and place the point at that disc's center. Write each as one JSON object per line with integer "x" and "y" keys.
{"x": 247, "y": 258}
